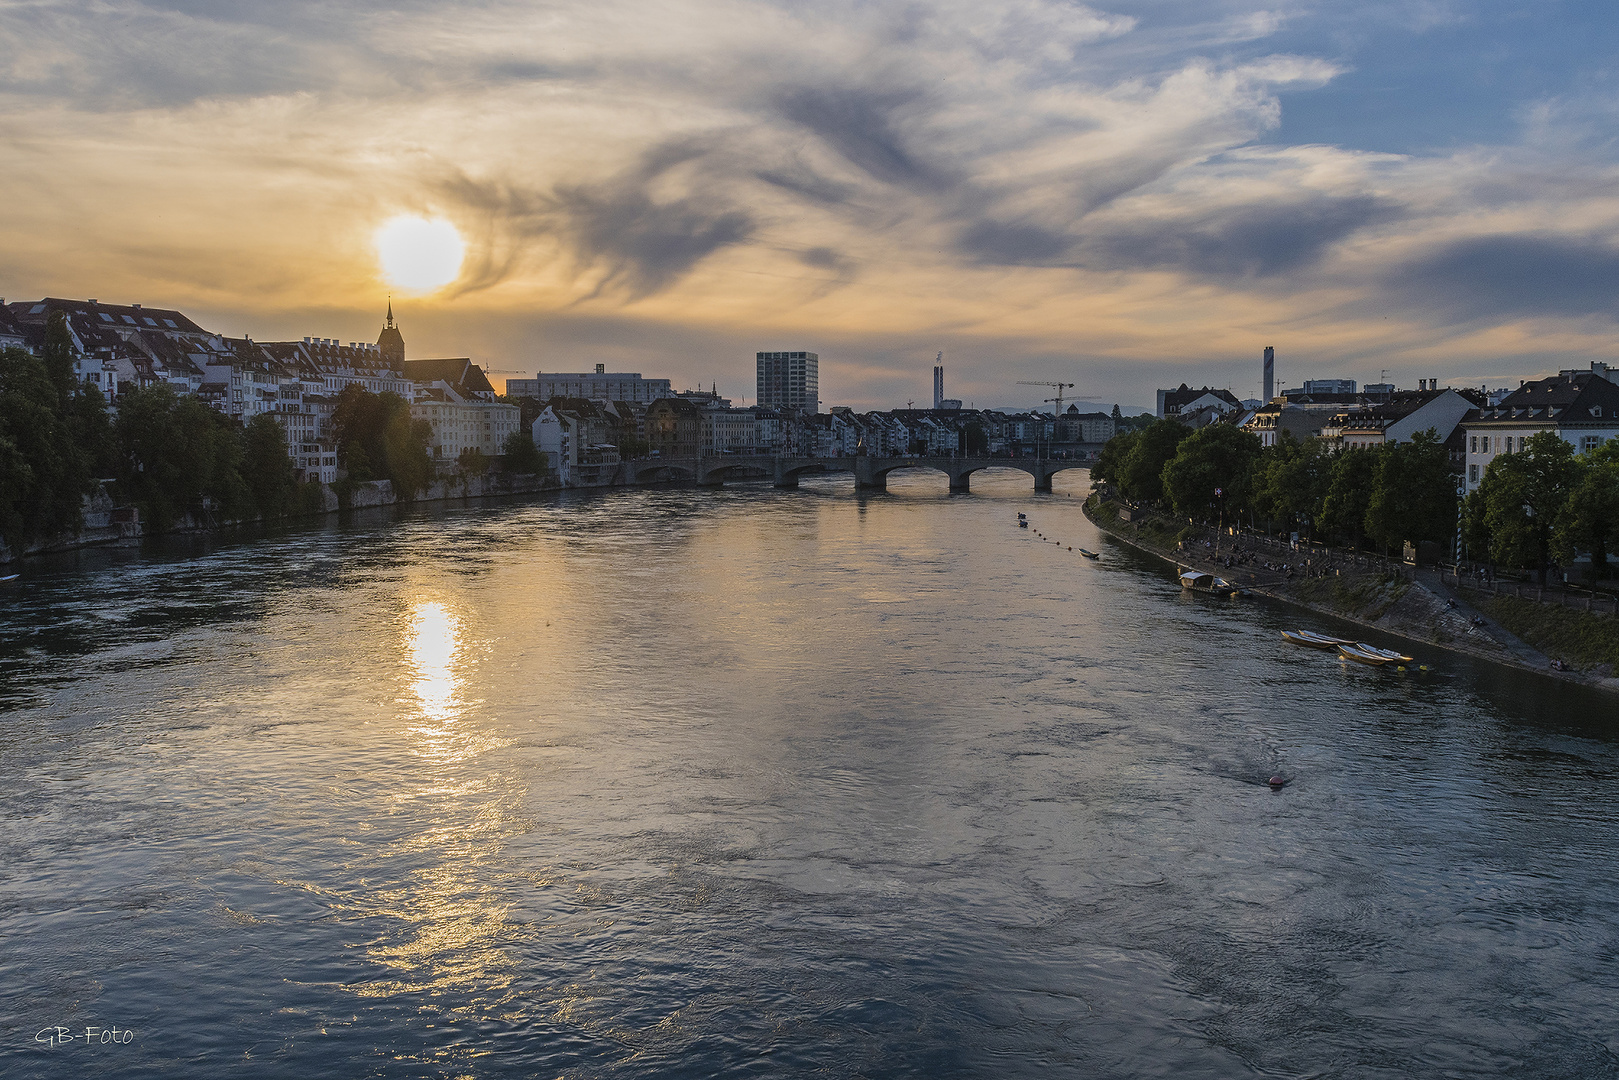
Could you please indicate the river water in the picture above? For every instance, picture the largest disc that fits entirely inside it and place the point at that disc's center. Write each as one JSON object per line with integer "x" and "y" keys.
{"x": 675, "y": 783}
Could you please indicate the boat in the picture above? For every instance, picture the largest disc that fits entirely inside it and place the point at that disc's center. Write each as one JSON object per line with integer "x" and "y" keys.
{"x": 1090, "y": 554}
{"x": 1363, "y": 656}
{"x": 10, "y": 577}
{"x": 1022, "y": 524}
{"x": 1199, "y": 581}
{"x": 1386, "y": 654}
{"x": 1313, "y": 640}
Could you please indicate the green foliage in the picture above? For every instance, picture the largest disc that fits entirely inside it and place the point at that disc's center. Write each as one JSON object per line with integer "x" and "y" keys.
{"x": 523, "y": 457}
{"x": 1141, "y": 475}
{"x": 378, "y": 440}
{"x": 1413, "y": 496}
{"x": 175, "y": 452}
{"x": 1212, "y": 472}
{"x": 58, "y": 358}
{"x": 272, "y": 480}
{"x": 1349, "y": 493}
{"x": 974, "y": 439}
{"x": 1590, "y": 518}
{"x": 44, "y": 470}
{"x": 1291, "y": 481}
{"x": 1515, "y": 509}
{"x": 1109, "y": 467}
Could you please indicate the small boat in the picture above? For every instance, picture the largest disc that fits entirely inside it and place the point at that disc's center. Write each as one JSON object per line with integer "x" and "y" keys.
{"x": 10, "y": 577}
{"x": 1022, "y": 524}
{"x": 1386, "y": 654}
{"x": 1089, "y": 554}
{"x": 1360, "y": 655}
{"x": 1313, "y": 640}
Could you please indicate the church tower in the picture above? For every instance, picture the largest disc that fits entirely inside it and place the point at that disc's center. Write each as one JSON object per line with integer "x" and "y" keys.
{"x": 391, "y": 343}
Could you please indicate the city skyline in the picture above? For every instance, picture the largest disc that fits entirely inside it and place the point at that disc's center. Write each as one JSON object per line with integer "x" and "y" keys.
{"x": 1125, "y": 195}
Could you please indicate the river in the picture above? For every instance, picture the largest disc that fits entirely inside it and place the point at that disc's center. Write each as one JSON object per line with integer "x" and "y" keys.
{"x": 679, "y": 783}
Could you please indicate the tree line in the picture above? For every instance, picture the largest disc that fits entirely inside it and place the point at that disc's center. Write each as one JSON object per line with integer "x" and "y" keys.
{"x": 1383, "y": 495}
{"x": 169, "y": 454}
{"x": 1541, "y": 505}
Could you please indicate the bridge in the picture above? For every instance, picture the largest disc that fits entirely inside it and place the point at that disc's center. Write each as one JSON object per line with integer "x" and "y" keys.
{"x": 870, "y": 473}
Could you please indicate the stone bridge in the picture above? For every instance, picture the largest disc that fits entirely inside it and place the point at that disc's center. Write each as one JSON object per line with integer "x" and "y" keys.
{"x": 870, "y": 473}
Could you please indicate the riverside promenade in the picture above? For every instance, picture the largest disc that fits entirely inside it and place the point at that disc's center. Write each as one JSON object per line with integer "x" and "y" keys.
{"x": 1416, "y": 605}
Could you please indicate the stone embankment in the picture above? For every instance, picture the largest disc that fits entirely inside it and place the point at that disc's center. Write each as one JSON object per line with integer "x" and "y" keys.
{"x": 108, "y": 525}
{"x": 1390, "y": 598}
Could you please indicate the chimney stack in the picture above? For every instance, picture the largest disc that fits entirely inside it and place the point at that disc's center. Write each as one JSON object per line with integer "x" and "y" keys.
{"x": 1270, "y": 372}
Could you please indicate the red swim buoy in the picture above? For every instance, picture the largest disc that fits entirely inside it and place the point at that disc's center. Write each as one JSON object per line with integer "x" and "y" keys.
{"x": 1277, "y": 781}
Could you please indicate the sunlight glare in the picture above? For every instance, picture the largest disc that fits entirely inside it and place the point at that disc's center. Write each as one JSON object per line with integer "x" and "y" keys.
{"x": 421, "y": 254}
{"x": 434, "y": 640}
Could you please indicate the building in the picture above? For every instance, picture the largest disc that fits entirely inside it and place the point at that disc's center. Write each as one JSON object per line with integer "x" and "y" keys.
{"x": 1581, "y": 407}
{"x": 788, "y": 380}
{"x": 599, "y": 386}
{"x": 1270, "y": 372}
{"x": 1173, "y": 404}
{"x": 1400, "y": 417}
{"x": 1314, "y": 387}
{"x": 391, "y": 343}
{"x": 674, "y": 428}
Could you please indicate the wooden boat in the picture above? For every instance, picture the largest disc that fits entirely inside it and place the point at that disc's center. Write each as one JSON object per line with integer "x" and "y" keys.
{"x": 1360, "y": 655}
{"x": 1089, "y": 554}
{"x": 1387, "y": 654}
{"x": 1313, "y": 640}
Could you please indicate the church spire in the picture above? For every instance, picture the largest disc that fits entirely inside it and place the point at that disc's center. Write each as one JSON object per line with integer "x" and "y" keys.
{"x": 390, "y": 311}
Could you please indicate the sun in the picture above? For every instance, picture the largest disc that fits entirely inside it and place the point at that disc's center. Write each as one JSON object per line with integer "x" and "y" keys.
{"x": 420, "y": 254}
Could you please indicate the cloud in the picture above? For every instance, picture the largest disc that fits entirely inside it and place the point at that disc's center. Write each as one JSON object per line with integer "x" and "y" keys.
{"x": 1501, "y": 277}
{"x": 1249, "y": 240}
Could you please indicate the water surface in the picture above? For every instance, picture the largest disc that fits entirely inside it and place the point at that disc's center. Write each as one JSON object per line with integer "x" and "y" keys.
{"x": 757, "y": 783}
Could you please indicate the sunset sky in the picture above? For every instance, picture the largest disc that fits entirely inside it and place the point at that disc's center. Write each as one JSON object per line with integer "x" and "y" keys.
{"x": 1122, "y": 196}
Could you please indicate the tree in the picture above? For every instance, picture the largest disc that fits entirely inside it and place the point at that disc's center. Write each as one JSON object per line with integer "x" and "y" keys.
{"x": 1590, "y": 518}
{"x": 175, "y": 452}
{"x": 1292, "y": 480}
{"x": 268, "y": 472}
{"x": 974, "y": 439}
{"x": 1109, "y": 465}
{"x": 58, "y": 358}
{"x": 1212, "y": 472}
{"x": 523, "y": 457}
{"x": 1413, "y": 494}
{"x": 44, "y": 472}
{"x": 1117, "y": 416}
{"x": 1349, "y": 493}
{"x": 377, "y": 439}
{"x": 472, "y": 462}
{"x": 1520, "y": 500}
{"x": 1142, "y": 474}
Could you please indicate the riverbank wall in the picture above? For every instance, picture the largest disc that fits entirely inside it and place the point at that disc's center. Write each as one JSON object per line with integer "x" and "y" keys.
{"x": 1402, "y": 601}
{"x": 109, "y": 525}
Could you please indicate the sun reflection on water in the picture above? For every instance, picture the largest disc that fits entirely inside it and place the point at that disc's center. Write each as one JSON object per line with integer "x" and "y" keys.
{"x": 435, "y": 639}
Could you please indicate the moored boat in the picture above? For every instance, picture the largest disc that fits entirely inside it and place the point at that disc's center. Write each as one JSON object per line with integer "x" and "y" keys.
{"x": 1386, "y": 654}
{"x": 1090, "y": 554}
{"x": 1312, "y": 640}
{"x": 1360, "y": 655}
{"x": 1200, "y": 581}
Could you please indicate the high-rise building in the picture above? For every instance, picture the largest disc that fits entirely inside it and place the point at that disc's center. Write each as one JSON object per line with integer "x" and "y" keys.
{"x": 938, "y": 383}
{"x": 789, "y": 380}
{"x": 1270, "y": 372}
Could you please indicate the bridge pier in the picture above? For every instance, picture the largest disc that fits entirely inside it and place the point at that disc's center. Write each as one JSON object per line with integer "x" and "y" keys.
{"x": 1042, "y": 481}
{"x": 959, "y": 484}
{"x": 867, "y": 478}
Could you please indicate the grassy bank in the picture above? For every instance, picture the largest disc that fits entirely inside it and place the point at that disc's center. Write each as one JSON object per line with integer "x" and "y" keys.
{"x": 1363, "y": 596}
{"x": 1589, "y": 642}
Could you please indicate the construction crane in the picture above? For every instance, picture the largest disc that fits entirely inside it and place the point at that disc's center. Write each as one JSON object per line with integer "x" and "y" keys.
{"x": 1060, "y": 387}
